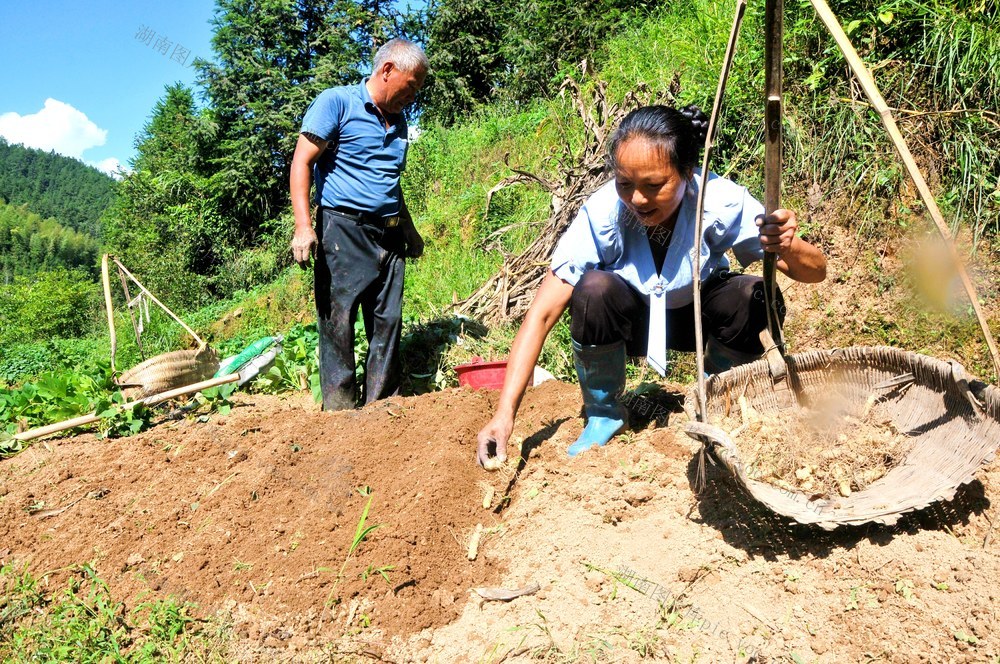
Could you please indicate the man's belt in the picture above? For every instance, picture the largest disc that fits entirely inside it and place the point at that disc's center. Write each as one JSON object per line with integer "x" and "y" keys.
{"x": 368, "y": 218}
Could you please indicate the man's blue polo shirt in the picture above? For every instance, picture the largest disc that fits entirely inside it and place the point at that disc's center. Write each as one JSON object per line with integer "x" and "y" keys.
{"x": 361, "y": 166}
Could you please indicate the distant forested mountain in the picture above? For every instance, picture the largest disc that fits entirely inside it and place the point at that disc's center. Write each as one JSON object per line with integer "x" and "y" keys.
{"x": 54, "y": 186}
{"x": 30, "y": 244}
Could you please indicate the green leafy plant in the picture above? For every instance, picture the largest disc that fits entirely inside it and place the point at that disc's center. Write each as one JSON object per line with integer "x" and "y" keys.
{"x": 216, "y": 399}
{"x": 361, "y": 532}
{"x": 53, "y": 397}
{"x": 381, "y": 571}
{"x": 117, "y": 421}
{"x": 81, "y": 622}
{"x": 297, "y": 366}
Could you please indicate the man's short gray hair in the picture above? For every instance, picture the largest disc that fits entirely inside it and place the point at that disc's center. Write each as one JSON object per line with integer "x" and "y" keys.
{"x": 403, "y": 53}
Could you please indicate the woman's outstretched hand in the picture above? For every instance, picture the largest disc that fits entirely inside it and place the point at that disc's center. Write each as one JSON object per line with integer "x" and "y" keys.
{"x": 491, "y": 443}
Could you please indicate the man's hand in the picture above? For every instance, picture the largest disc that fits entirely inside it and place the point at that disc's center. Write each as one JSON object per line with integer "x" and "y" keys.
{"x": 414, "y": 243}
{"x": 777, "y": 231}
{"x": 303, "y": 244}
{"x": 491, "y": 447}
{"x": 307, "y": 151}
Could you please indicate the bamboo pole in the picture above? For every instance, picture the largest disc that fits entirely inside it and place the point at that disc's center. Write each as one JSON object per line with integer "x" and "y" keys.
{"x": 160, "y": 304}
{"x": 772, "y": 338}
{"x": 151, "y": 400}
{"x": 864, "y": 77}
{"x": 106, "y": 281}
{"x": 720, "y": 91}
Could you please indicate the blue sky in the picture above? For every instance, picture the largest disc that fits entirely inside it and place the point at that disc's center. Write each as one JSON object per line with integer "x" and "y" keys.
{"x": 82, "y": 77}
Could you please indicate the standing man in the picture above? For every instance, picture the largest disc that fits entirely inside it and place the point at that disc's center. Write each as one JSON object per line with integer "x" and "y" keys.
{"x": 354, "y": 139}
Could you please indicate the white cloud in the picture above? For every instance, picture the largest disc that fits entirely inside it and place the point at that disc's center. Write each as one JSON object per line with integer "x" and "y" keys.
{"x": 58, "y": 126}
{"x": 111, "y": 166}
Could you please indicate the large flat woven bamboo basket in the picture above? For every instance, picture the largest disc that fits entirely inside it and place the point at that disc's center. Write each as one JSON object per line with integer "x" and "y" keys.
{"x": 168, "y": 371}
{"x": 953, "y": 421}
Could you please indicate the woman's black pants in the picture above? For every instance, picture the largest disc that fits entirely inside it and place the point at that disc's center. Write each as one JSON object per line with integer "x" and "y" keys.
{"x": 605, "y": 310}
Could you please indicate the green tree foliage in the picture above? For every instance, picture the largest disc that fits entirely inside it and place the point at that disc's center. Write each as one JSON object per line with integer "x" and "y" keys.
{"x": 57, "y": 303}
{"x": 484, "y": 50}
{"x": 272, "y": 58}
{"x": 167, "y": 208}
{"x": 30, "y": 244}
{"x": 54, "y": 186}
{"x": 466, "y": 64}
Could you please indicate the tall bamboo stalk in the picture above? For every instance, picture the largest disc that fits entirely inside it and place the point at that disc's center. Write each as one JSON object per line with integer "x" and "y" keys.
{"x": 867, "y": 82}
{"x": 713, "y": 120}
{"x": 773, "y": 341}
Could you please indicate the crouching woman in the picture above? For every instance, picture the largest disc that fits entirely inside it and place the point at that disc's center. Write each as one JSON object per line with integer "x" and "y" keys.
{"x": 624, "y": 269}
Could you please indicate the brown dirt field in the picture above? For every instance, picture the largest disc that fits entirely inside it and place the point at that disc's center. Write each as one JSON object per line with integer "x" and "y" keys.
{"x": 259, "y": 508}
{"x": 251, "y": 515}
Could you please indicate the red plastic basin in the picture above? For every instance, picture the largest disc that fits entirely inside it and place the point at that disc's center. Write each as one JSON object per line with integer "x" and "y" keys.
{"x": 481, "y": 375}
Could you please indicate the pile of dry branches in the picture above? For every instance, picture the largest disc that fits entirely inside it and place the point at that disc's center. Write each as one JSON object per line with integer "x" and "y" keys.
{"x": 508, "y": 293}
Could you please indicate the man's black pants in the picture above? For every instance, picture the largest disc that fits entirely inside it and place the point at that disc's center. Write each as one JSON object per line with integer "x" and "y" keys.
{"x": 358, "y": 264}
{"x": 606, "y": 310}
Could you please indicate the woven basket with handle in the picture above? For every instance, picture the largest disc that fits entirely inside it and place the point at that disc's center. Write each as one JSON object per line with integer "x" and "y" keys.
{"x": 168, "y": 371}
{"x": 954, "y": 423}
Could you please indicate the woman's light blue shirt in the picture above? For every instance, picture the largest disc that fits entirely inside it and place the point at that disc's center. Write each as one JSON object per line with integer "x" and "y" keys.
{"x": 606, "y": 236}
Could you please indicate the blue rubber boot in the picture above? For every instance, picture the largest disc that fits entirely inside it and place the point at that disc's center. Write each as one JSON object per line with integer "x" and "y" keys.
{"x": 719, "y": 357}
{"x": 601, "y": 370}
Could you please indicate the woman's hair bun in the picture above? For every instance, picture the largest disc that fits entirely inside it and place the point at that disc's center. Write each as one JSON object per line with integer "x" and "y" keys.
{"x": 679, "y": 132}
{"x": 698, "y": 120}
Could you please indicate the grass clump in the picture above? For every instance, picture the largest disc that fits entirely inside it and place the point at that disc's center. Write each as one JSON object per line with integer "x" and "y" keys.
{"x": 81, "y": 622}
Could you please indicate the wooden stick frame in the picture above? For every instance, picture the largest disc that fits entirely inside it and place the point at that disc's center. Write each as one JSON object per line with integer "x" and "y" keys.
{"x": 727, "y": 63}
{"x": 871, "y": 91}
{"x": 123, "y": 273}
{"x": 158, "y": 303}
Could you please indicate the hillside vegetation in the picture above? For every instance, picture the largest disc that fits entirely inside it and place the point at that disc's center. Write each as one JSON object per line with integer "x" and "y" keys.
{"x": 30, "y": 244}
{"x": 208, "y": 200}
{"x": 54, "y": 187}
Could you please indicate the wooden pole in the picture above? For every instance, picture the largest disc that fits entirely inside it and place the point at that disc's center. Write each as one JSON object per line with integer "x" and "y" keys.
{"x": 161, "y": 305}
{"x": 713, "y": 120}
{"x": 773, "y": 340}
{"x": 875, "y": 97}
{"x": 151, "y": 400}
{"x": 106, "y": 281}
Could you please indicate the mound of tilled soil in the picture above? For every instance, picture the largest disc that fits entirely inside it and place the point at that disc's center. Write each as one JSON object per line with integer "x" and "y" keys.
{"x": 255, "y": 512}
